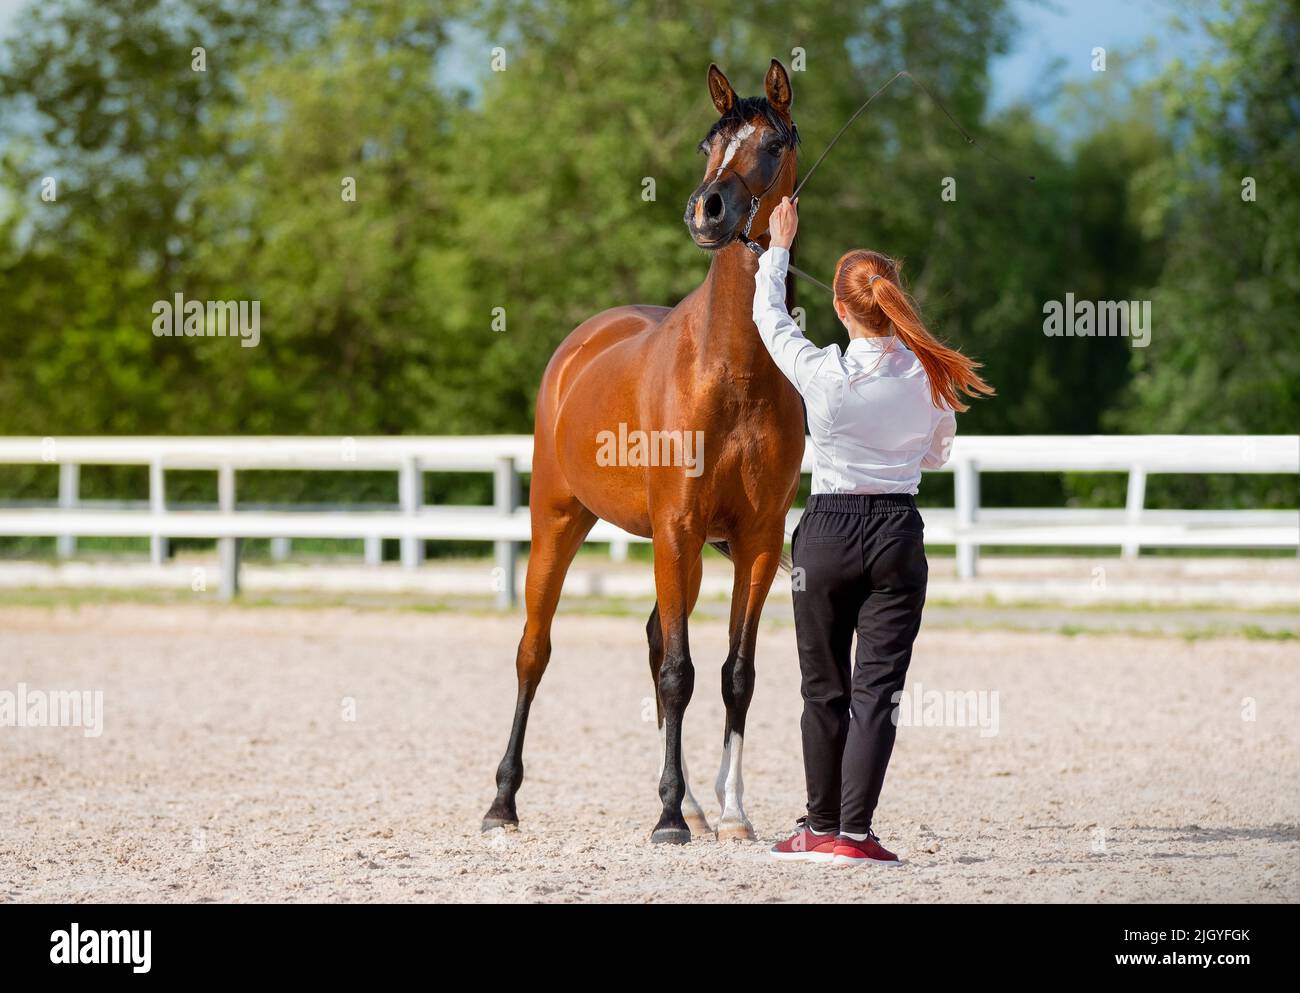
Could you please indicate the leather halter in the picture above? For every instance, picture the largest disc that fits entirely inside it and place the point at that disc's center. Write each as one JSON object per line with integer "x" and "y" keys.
{"x": 754, "y": 203}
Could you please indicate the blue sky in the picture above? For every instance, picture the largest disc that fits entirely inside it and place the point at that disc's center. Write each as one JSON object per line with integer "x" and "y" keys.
{"x": 7, "y": 10}
{"x": 1054, "y": 46}
{"x": 1057, "y": 37}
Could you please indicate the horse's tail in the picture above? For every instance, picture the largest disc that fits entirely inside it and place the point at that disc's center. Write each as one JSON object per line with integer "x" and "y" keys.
{"x": 787, "y": 565}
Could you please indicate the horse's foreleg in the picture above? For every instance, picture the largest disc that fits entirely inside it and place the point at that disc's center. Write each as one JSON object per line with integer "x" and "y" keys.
{"x": 676, "y": 554}
{"x": 692, "y": 812}
{"x": 756, "y": 564}
{"x": 558, "y": 532}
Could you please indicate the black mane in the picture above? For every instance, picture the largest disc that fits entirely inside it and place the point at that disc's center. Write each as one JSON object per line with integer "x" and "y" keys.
{"x": 747, "y": 107}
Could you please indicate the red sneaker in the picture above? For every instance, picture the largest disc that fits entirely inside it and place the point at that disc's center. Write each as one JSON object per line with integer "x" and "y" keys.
{"x": 869, "y": 852}
{"x": 804, "y": 845}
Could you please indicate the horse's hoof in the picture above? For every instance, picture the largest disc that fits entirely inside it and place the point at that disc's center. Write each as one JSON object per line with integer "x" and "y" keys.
{"x": 736, "y": 831}
{"x": 499, "y": 818}
{"x": 698, "y": 824}
{"x": 670, "y": 836}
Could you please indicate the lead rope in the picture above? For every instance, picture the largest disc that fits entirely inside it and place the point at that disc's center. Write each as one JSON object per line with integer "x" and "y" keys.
{"x": 970, "y": 140}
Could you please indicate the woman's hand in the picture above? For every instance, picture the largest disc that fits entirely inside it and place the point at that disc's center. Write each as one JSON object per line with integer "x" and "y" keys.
{"x": 784, "y": 222}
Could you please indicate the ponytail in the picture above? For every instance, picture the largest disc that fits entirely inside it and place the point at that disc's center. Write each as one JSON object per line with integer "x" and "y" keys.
{"x": 867, "y": 283}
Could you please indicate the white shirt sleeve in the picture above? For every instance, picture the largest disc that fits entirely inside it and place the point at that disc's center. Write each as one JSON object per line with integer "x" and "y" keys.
{"x": 794, "y": 354}
{"x": 941, "y": 441}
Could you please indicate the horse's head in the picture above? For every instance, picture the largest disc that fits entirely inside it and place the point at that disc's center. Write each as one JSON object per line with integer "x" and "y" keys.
{"x": 751, "y": 151}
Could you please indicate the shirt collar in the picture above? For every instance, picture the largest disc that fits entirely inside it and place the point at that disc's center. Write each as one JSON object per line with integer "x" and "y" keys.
{"x": 873, "y": 344}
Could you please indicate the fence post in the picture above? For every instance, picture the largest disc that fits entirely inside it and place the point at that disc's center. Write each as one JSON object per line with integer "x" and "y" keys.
{"x": 966, "y": 491}
{"x": 158, "y": 504}
{"x": 618, "y": 550}
{"x": 374, "y": 550}
{"x": 505, "y": 497}
{"x": 69, "y": 492}
{"x": 280, "y": 549}
{"x": 410, "y": 492}
{"x": 1137, "y": 497}
{"x": 227, "y": 548}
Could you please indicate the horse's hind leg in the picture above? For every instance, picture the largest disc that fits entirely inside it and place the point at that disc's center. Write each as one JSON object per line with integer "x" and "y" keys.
{"x": 559, "y": 527}
{"x": 692, "y": 812}
{"x": 756, "y": 560}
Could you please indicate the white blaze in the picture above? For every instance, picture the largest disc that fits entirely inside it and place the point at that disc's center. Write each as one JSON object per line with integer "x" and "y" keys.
{"x": 733, "y": 146}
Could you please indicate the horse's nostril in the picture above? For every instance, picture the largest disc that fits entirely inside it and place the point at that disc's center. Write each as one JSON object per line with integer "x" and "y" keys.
{"x": 713, "y": 207}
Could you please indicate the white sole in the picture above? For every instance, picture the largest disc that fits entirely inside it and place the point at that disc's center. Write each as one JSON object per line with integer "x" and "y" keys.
{"x": 801, "y": 856}
{"x": 850, "y": 860}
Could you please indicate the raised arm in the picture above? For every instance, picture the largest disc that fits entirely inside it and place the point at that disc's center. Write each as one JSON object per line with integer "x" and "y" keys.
{"x": 796, "y": 356}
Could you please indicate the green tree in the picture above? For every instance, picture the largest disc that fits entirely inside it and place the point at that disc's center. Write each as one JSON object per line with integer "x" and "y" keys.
{"x": 103, "y": 97}
{"x": 1223, "y": 356}
{"x": 1226, "y": 303}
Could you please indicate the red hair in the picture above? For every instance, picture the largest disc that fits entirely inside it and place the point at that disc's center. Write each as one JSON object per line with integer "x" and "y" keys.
{"x": 868, "y": 285}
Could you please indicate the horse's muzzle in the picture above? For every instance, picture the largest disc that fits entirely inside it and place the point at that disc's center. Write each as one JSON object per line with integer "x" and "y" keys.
{"x": 710, "y": 217}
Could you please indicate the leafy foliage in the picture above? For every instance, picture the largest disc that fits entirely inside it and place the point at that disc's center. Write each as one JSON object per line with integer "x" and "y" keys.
{"x": 522, "y": 190}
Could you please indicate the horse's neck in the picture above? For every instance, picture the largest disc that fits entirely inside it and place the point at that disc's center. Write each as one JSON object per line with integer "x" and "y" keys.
{"x": 725, "y": 332}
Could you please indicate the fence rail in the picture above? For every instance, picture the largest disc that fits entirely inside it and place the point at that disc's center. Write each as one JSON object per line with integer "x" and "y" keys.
{"x": 966, "y": 525}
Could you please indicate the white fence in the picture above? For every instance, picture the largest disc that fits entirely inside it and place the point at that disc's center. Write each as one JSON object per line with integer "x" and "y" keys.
{"x": 967, "y": 525}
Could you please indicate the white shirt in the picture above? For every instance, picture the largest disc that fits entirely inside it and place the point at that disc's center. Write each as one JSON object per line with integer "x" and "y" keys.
{"x": 873, "y": 423}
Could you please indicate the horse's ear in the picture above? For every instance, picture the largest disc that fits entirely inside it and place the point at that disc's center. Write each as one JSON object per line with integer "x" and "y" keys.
{"x": 779, "y": 93}
{"x": 724, "y": 97}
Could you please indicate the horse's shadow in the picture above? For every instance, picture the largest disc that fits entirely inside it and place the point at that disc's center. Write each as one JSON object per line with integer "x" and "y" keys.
{"x": 1138, "y": 841}
{"x": 1202, "y": 835}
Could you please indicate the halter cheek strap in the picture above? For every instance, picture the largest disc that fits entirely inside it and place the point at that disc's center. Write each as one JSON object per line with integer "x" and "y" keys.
{"x": 755, "y": 247}
{"x": 754, "y": 203}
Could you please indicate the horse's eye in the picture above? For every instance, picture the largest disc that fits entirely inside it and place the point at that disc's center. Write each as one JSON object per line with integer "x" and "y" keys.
{"x": 774, "y": 148}
{"x": 702, "y": 148}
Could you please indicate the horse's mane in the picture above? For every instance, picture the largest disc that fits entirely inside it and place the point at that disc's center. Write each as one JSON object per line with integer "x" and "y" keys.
{"x": 747, "y": 107}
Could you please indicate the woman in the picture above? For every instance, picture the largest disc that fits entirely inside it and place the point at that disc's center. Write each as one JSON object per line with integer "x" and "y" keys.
{"x": 878, "y": 413}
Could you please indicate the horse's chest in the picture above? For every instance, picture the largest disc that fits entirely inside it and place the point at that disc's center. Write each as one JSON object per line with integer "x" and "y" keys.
{"x": 747, "y": 399}
{"x": 754, "y": 427}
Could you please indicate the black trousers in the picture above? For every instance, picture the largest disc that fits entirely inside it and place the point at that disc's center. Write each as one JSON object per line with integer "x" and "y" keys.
{"x": 860, "y": 567}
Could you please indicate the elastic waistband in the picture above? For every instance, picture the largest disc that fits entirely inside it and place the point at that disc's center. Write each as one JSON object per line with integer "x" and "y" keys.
{"x": 860, "y": 503}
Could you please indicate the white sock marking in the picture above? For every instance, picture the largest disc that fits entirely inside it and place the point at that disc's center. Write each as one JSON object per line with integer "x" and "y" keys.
{"x": 731, "y": 784}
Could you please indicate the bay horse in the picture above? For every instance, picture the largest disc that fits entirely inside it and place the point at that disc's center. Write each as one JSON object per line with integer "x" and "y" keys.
{"x": 698, "y": 370}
